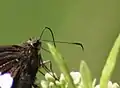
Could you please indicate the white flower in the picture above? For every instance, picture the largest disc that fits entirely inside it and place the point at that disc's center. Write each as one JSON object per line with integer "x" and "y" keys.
{"x": 110, "y": 85}
{"x": 49, "y": 76}
{"x": 76, "y": 77}
{"x": 62, "y": 78}
{"x": 58, "y": 83}
{"x": 51, "y": 84}
{"x": 63, "y": 81}
{"x": 44, "y": 84}
{"x": 6, "y": 80}
{"x": 97, "y": 86}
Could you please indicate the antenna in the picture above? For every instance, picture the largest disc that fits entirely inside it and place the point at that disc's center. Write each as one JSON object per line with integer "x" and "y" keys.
{"x": 47, "y": 28}
{"x": 73, "y": 43}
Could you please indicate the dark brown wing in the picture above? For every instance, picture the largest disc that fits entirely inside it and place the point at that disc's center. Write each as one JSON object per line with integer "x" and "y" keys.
{"x": 9, "y": 57}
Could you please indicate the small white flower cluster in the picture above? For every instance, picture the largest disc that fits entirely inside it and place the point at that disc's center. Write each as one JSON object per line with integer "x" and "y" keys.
{"x": 51, "y": 82}
{"x": 110, "y": 85}
{"x": 62, "y": 82}
{"x": 5, "y": 80}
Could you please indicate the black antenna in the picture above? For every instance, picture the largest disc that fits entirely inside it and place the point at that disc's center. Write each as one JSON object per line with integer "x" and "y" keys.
{"x": 74, "y": 43}
{"x": 50, "y": 32}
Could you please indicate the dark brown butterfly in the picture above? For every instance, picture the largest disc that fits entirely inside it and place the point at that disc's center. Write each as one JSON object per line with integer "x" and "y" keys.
{"x": 22, "y": 61}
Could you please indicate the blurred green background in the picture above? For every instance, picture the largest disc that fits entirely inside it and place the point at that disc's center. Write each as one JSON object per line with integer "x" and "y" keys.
{"x": 95, "y": 23}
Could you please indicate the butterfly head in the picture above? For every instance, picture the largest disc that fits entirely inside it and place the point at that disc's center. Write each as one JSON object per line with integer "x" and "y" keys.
{"x": 34, "y": 42}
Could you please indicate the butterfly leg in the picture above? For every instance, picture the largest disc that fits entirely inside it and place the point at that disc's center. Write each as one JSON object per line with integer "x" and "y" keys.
{"x": 50, "y": 69}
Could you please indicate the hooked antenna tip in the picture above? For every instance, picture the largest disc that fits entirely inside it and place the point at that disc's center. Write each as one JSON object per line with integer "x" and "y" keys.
{"x": 80, "y": 45}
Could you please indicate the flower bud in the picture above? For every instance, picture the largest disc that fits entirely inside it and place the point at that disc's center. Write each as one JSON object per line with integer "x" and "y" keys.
{"x": 76, "y": 77}
{"x": 44, "y": 84}
{"x": 49, "y": 77}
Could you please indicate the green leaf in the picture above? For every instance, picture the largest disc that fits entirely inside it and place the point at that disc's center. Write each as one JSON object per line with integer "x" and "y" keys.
{"x": 85, "y": 75}
{"x": 110, "y": 64}
{"x": 61, "y": 64}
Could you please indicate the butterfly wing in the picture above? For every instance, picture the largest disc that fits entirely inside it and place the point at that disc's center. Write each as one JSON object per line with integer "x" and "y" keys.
{"x": 9, "y": 56}
{"x": 21, "y": 63}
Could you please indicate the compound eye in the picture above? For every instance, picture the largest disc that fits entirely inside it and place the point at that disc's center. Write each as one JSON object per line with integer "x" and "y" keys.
{"x": 30, "y": 39}
{"x": 37, "y": 44}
